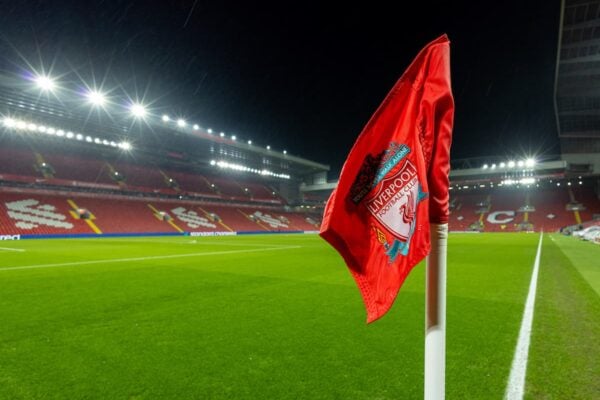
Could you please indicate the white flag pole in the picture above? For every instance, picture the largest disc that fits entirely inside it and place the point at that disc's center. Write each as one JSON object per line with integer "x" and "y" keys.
{"x": 435, "y": 314}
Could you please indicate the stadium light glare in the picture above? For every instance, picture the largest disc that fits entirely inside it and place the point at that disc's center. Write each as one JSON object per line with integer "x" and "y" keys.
{"x": 79, "y": 136}
{"x": 222, "y": 134}
{"x": 125, "y": 145}
{"x": 138, "y": 110}
{"x": 249, "y": 141}
{"x": 580, "y": 182}
{"x": 568, "y": 183}
{"x": 233, "y": 137}
{"x": 268, "y": 147}
{"x": 527, "y": 181}
{"x": 502, "y": 165}
{"x": 97, "y": 141}
{"x": 493, "y": 166}
{"x": 96, "y": 98}
{"x": 238, "y": 167}
{"x": 9, "y": 122}
{"x": 89, "y": 139}
{"x": 511, "y": 164}
{"x": 285, "y": 152}
{"x": 181, "y": 123}
{"x": 60, "y": 133}
{"x": 166, "y": 118}
{"x": 21, "y": 125}
{"x": 521, "y": 163}
{"x": 70, "y": 135}
{"x": 485, "y": 166}
{"x": 530, "y": 163}
{"x": 209, "y": 131}
{"x": 196, "y": 127}
{"x": 45, "y": 83}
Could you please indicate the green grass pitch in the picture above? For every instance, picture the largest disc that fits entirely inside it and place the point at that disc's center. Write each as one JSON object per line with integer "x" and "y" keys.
{"x": 279, "y": 317}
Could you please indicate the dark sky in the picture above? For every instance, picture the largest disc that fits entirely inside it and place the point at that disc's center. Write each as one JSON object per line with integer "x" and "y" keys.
{"x": 299, "y": 75}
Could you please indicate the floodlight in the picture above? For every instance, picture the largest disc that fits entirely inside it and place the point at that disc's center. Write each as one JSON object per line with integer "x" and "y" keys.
{"x": 268, "y": 147}
{"x": 285, "y": 152}
{"x": 125, "y": 145}
{"x": 521, "y": 163}
{"x": 485, "y": 166}
{"x": 233, "y": 137}
{"x": 196, "y": 127}
{"x": 493, "y": 166}
{"x": 138, "y": 110}
{"x": 511, "y": 164}
{"x": 502, "y": 165}
{"x": 180, "y": 122}
{"x": 527, "y": 181}
{"x": 249, "y": 141}
{"x": 222, "y": 134}
{"x": 530, "y": 162}
{"x": 209, "y": 130}
{"x": 45, "y": 82}
{"x": 70, "y": 135}
{"x": 96, "y": 98}
{"x": 9, "y": 122}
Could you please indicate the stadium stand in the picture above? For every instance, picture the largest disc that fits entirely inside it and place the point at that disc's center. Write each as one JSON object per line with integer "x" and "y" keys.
{"x": 27, "y": 213}
{"x": 64, "y": 172}
{"x": 35, "y": 212}
{"x": 17, "y": 161}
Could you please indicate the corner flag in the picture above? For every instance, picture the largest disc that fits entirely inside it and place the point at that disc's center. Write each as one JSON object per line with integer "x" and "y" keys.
{"x": 395, "y": 181}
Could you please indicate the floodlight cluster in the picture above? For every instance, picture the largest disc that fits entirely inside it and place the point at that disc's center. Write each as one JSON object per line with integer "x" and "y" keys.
{"x": 97, "y": 98}
{"x": 528, "y": 163}
{"x": 243, "y": 168}
{"x": 522, "y": 181}
{"x": 29, "y": 126}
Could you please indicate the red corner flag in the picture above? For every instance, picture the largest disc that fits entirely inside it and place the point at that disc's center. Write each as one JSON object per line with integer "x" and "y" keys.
{"x": 395, "y": 181}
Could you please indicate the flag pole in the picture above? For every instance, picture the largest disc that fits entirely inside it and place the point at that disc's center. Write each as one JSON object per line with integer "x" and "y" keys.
{"x": 435, "y": 314}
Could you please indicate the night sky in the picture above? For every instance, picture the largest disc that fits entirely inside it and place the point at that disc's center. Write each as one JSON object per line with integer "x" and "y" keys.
{"x": 302, "y": 76}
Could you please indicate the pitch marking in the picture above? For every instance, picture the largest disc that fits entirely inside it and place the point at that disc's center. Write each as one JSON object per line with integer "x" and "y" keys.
{"x": 516, "y": 380}
{"x": 120, "y": 260}
{"x": 10, "y": 249}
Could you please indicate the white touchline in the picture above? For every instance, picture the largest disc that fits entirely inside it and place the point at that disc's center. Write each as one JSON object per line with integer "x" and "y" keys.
{"x": 10, "y": 249}
{"x": 518, "y": 370}
{"x": 119, "y": 260}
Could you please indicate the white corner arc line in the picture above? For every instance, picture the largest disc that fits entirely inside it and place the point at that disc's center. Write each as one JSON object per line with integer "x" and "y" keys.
{"x": 518, "y": 370}
{"x": 120, "y": 260}
{"x": 11, "y": 249}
